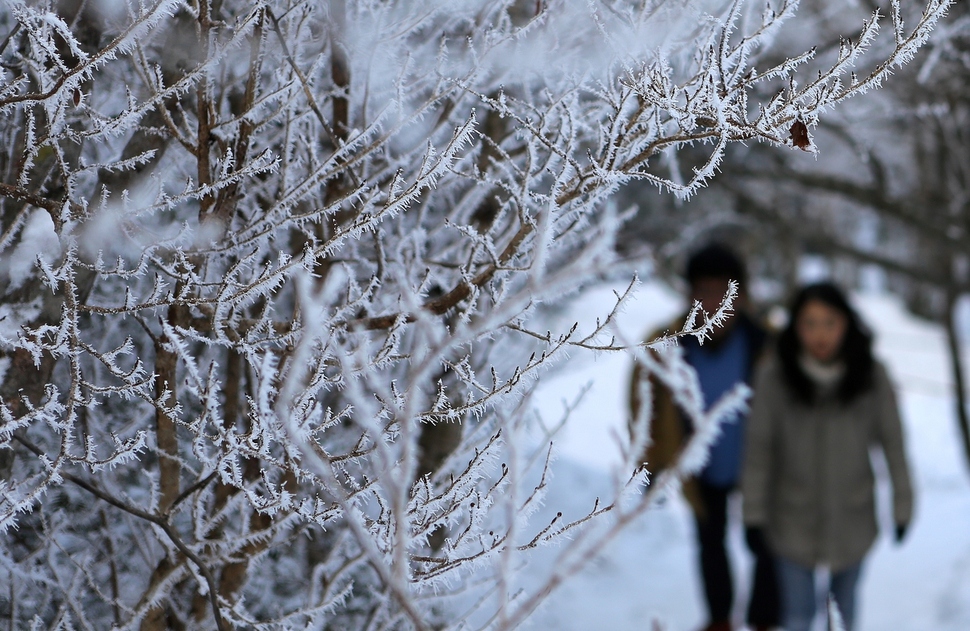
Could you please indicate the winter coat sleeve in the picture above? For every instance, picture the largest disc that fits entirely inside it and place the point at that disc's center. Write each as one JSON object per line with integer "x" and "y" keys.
{"x": 666, "y": 439}
{"x": 891, "y": 440}
{"x": 758, "y": 449}
{"x": 635, "y": 393}
{"x": 636, "y": 402}
{"x": 666, "y": 436}
{"x": 667, "y": 433}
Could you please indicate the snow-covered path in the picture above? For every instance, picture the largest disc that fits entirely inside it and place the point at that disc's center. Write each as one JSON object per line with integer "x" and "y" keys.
{"x": 649, "y": 574}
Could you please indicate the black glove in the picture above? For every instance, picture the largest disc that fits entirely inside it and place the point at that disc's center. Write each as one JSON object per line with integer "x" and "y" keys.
{"x": 754, "y": 536}
{"x": 901, "y": 532}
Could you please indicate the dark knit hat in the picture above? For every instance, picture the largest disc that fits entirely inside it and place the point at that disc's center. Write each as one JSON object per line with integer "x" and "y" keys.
{"x": 715, "y": 260}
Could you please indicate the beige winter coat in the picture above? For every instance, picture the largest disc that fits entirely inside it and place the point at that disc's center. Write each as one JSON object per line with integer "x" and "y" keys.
{"x": 807, "y": 478}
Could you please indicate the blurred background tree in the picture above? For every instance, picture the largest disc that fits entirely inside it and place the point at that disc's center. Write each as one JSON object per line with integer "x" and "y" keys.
{"x": 270, "y": 271}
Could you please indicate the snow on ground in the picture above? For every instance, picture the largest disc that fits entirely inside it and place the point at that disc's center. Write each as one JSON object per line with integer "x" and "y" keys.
{"x": 648, "y": 573}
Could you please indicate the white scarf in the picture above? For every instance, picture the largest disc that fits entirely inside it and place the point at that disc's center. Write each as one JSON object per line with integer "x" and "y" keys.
{"x": 826, "y": 375}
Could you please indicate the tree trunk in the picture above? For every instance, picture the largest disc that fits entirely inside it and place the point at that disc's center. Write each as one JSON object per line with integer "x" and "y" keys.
{"x": 956, "y": 364}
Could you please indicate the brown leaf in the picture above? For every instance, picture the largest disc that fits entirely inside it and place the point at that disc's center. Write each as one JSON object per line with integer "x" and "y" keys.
{"x": 799, "y": 136}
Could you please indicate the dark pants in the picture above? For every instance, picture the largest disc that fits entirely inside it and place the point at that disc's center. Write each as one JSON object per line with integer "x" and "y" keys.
{"x": 764, "y": 606}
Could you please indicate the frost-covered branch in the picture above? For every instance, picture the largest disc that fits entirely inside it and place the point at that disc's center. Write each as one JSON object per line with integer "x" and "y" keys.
{"x": 270, "y": 276}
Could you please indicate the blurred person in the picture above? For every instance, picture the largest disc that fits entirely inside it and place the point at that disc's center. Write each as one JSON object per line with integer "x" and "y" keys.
{"x": 725, "y": 360}
{"x": 820, "y": 403}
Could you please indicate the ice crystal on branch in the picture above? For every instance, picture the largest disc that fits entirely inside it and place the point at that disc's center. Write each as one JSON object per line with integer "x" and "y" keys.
{"x": 269, "y": 272}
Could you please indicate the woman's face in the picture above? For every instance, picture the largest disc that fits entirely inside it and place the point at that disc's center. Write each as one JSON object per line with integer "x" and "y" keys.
{"x": 821, "y": 329}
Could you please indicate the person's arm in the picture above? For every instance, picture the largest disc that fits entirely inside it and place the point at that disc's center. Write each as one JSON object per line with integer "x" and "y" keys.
{"x": 758, "y": 451}
{"x": 635, "y": 394}
{"x": 638, "y": 388}
{"x": 666, "y": 438}
{"x": 666, "y": 435}
{"x": 893, "y": 445}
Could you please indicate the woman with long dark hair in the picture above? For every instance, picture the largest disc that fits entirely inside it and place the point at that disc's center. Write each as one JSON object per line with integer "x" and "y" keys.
{"x": 819, "y": 405}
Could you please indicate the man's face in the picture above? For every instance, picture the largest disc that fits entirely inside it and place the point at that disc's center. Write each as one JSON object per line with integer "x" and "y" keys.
{"x": 710, "y": 291}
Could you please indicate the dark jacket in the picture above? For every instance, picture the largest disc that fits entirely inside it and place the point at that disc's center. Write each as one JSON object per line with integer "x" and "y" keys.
{"x": 669, "y": 428}
{"x": 807, "y": 477}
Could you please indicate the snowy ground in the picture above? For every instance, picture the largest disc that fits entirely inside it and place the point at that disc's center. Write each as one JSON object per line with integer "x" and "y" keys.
{"x": 649, "y": 574}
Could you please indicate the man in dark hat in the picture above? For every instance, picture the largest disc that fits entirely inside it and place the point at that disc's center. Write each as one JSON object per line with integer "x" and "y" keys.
{"x": 723, "y": 361}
